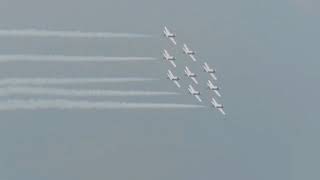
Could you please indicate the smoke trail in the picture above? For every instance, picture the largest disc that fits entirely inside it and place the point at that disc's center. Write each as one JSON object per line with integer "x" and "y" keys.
{"x": 6, "y": 91}
{"x": 61, "y": 104}
{"x": 44, "y": 58}
{"x": 66, "y": 34}
{"x": 66, "y": 81}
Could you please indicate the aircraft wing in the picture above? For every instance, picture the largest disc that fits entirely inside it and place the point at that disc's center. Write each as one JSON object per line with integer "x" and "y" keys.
{"x": 177, "y": 83}
{"x": 165, "y": 52}
{"x": 213, "y": 76}
{"x": 187, "y": 69}
{"x": 166, "y": 29}
{"x": 222, "y": 111}
{"x": 191, "y": 89}
{"x": 173, "y": 64}
{"x": 217, "y": 93}
{"x": 194, "y": 80}
{"x": 185, "y": 47}
{"x": 198, "y": 98}
{"x": 214, "y": 102}
{"x": 193, "y": 58}
{"x": 173, "y": 41}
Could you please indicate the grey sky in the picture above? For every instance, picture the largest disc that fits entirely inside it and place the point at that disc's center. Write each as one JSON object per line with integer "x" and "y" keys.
{"x": 267, "y": 57}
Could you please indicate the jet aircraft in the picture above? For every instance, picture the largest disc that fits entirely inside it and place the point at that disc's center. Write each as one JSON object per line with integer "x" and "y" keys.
{"x": 214, "y": 88}
{"x": 190, "y": 74}
{"x": 209, "y": 70}
{"x": 189, "y": 52}
{"x": 169, "y": 35}
{"x": 195, "y": 93}
{"x": 173, "y": 78}
{"x": 169, "y": 58}
{"x": 218, "y": 106}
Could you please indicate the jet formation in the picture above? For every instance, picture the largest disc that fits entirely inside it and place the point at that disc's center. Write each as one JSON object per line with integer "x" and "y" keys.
{"x": 211, "y": 84}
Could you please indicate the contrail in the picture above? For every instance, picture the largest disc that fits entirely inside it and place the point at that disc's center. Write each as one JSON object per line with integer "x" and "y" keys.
{"x": 65, "y": 34}
{"x": 6, "y": 91}
{"x": 61, "y": 104}
{"x": 62, "y": 58}
{"x": 66, "y": 81}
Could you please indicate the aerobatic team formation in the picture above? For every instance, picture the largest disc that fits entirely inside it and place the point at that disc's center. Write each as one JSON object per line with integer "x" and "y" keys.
{"x": 191, "y": 75}
{"x": 51, "y": 88}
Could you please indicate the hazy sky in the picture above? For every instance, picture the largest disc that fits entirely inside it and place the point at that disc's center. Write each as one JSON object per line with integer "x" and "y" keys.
{"x": 267, "y": 57}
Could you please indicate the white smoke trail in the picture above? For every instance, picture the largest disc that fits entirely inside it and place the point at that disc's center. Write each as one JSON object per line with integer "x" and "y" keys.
{"x": 66, "y": 81}
{"x": 61, "y": 104}
{"x": 6, "y": 91}
{"x": 65, "y": 34}
{"x": 45, "y": 58}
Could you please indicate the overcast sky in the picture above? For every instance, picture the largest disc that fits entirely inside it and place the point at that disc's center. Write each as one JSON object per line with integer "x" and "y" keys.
{"x": 267, "y": 57}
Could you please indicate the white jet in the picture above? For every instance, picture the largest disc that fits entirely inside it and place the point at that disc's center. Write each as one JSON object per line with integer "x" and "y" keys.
{"x": 213, "y": 87}
{"x": 189, "y": 52}
{"x": 173, "y": 78}
{"x": 196, "y": 94}
{"x": 169, "y": 35}
{"x": 169, "y": 58}
{"x": 190, "y": 74}
{"x": 218, "y": 106}
{"x": 209, "y": 70}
